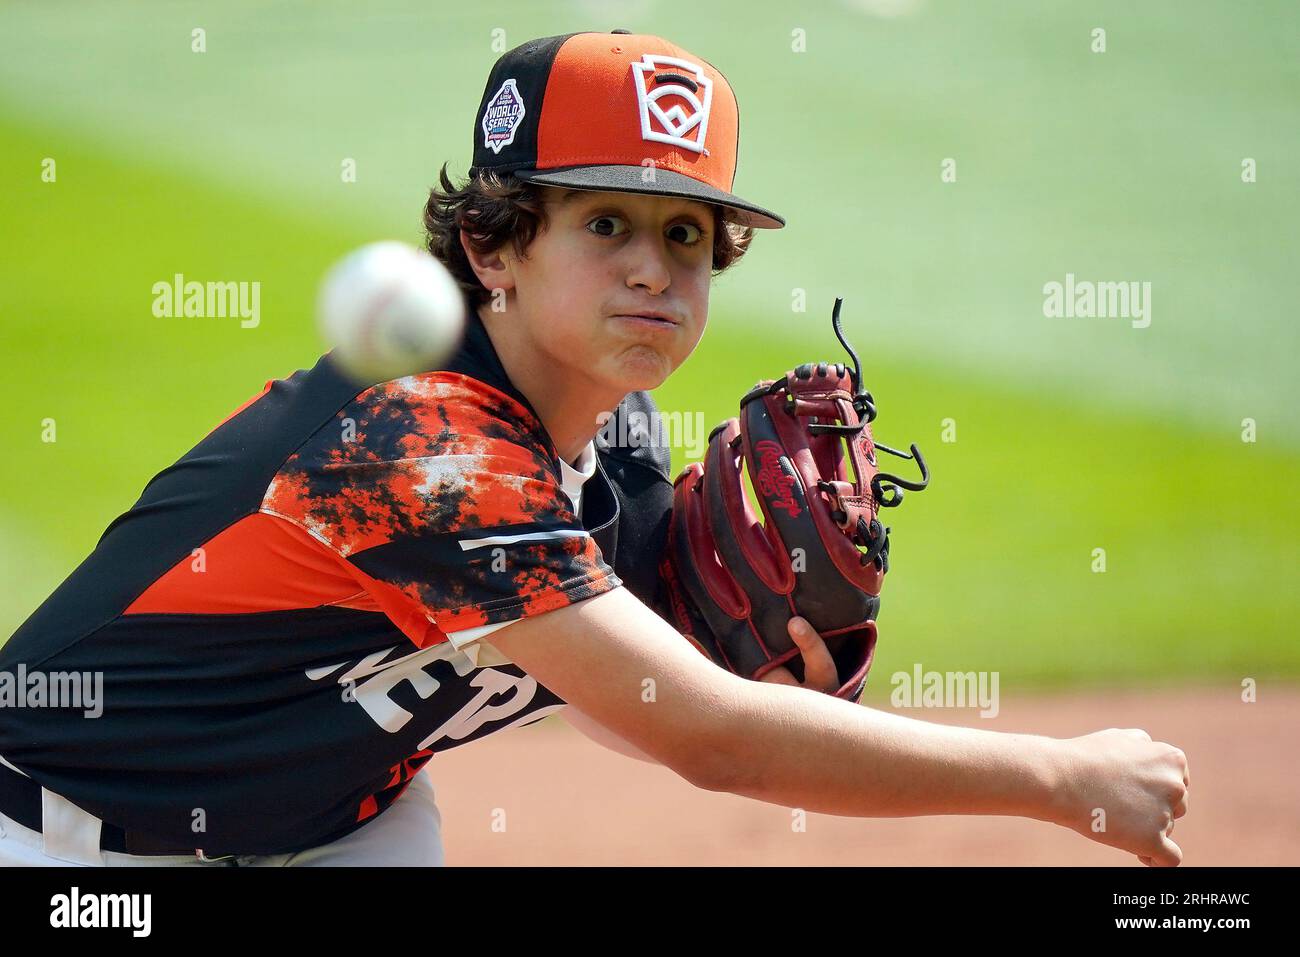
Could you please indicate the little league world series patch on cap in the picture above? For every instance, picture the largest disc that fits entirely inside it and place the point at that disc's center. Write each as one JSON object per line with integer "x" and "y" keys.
{"x": 614, "y": 111}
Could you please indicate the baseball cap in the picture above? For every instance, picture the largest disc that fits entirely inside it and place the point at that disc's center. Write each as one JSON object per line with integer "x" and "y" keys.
{"x": 619, "y": 111}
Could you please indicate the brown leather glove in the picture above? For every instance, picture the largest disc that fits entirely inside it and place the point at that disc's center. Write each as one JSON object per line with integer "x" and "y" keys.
{"x": 731, "y": 583}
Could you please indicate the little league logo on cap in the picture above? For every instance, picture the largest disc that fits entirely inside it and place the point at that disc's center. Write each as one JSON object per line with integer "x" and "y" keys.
{"x": 675, "y": 122}
{"x": 504, "y": 113}
{"x": 614, "y": 111}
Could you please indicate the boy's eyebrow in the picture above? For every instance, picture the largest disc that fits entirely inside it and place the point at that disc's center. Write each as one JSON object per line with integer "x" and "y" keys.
{"x": 569, "y": 195}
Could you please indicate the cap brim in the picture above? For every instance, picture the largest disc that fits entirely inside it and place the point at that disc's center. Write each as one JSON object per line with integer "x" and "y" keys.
{"x": 632, "y": 179}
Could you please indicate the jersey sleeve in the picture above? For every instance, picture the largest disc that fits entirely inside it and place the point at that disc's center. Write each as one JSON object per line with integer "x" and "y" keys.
{"x": 443, "y": 495}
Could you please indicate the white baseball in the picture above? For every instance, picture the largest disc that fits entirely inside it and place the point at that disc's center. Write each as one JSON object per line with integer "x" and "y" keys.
{"x": 390, "y": 310}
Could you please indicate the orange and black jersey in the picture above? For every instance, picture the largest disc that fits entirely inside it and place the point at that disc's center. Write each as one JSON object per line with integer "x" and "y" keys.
{"x": 271, "y": 617}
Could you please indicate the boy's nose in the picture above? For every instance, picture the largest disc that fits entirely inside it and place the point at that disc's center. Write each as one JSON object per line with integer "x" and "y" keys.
{"x": 648, "y": 265}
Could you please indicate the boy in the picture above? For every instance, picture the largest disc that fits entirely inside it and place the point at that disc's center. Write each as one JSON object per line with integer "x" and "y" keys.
{"x": 342, "y": 580}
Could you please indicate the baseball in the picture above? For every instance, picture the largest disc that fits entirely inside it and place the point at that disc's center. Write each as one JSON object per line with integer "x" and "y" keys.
{"x": 390, "y": 310}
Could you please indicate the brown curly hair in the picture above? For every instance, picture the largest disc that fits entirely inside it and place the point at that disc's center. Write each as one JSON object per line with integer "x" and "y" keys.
{"x": 505, "y": 209}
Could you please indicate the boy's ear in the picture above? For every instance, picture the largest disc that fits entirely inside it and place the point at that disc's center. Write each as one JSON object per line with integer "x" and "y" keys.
{"x": 492, "y": 268}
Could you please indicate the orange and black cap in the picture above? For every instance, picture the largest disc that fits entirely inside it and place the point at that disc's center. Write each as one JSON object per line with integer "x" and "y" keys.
{"x": 614, "y": 111}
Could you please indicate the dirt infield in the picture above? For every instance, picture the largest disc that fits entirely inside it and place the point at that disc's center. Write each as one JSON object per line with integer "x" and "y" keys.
{"x": 568, "y": 801}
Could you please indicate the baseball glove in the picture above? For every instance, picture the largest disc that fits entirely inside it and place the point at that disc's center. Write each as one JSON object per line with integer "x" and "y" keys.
{"x": 731, "y": 583}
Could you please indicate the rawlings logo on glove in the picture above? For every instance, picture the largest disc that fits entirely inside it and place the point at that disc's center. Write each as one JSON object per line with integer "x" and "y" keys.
{"x": 731, "y": 583}
{"x": 773, "y": 482}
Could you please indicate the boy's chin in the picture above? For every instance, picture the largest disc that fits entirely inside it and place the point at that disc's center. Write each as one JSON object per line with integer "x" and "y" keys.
{"x": 641, "y": 369}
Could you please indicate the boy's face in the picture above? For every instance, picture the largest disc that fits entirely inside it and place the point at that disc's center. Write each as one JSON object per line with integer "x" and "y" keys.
{"x": 600, "y": 257}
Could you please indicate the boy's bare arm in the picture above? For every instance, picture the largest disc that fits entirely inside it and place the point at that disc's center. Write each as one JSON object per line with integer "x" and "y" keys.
{"x": 621, "y": 664}
{"x": 603, "y": 736}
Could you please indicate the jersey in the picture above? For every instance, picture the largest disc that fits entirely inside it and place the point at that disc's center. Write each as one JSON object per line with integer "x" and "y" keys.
{"x": 288, "y": 622}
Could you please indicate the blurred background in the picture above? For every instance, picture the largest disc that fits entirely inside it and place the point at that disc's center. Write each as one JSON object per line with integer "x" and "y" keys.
{"x": 938, "y": 163}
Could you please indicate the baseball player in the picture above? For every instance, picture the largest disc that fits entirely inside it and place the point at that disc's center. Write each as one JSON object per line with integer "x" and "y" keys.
{"x": 341, "y": 581}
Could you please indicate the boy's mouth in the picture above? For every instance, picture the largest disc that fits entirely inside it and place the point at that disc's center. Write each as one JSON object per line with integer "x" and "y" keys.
{"x": 652, "y": 319}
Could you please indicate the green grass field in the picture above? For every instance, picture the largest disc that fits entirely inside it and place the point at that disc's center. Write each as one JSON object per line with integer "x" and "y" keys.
{"x": 1071, "y": 434}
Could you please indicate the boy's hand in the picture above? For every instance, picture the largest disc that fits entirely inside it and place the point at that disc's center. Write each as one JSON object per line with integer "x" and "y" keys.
{"x": 1140, "y": 785}
{"x": 820, "y": 673}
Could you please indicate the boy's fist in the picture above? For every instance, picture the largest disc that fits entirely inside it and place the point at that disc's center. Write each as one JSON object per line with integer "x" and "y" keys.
{"x": 1124, "y": 790}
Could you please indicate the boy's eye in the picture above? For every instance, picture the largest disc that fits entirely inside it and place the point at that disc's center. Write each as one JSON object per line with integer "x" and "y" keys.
{"x": 693, "y": 233}
{"x": 686, "y": 233}
{"x": 602, "y": 222}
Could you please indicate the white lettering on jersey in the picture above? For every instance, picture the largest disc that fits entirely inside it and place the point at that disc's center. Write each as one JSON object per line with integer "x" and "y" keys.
{"x": 477, "y": 712}
{"x": 374, "y": 679}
